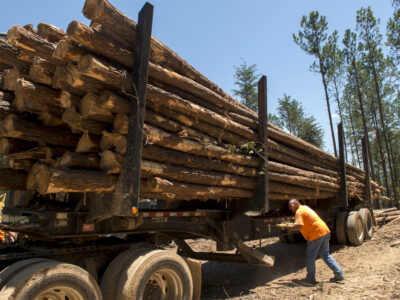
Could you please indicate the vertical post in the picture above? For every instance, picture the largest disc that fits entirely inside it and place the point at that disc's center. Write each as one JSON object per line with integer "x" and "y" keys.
{"x": 343, "y": 200}
{"x": 260, "y": 199}
{"x": 126, "y": 196}
{"x": 367, "y": 192}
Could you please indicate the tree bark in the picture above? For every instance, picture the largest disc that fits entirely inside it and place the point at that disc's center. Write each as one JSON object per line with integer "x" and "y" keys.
{"x": 80, "y": 124}
{"x": 9, "y": 57}
{"x": 12, "y": 180}
{"x": 68, "y": 51}
{"x": 50, "y": 32}
{"x": 90, "y": 108}
{"x": 79, "y": 160}
{"x": 42, "y": 71}
{"x": 16, "y": 127}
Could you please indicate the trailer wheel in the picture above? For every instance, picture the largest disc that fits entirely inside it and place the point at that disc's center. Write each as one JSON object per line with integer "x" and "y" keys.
{"x": 11, "y": 270}
{"x": 367, "y": 223}
{"x": 51, "y": 280}
{"x": 341, "y": 232}
{"x": 355, "y": 229}
{"x": 156, "y": 274}
{"x": 114, "y": 270}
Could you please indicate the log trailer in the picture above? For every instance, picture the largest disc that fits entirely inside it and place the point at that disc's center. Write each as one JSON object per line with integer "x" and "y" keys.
{"x": 63, "y": 254}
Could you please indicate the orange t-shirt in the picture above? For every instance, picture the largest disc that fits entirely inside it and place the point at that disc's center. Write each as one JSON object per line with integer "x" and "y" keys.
{"x": 312, "y": 225}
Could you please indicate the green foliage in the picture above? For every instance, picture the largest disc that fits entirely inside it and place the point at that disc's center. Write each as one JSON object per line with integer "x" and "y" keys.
{"x": 393, "y": 32}
{"x": 274, "y": 119}
{"x": 246, "y": 78}
{"x": 294, "y": 120}
{"x": 310, "y": 40}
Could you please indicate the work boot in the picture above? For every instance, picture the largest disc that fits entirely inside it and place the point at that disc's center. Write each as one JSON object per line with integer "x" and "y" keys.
{"x": 337, "y": 278}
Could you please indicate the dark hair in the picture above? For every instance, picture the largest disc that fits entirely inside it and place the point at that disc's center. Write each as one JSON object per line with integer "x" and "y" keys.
{"x": 294, "y": 200}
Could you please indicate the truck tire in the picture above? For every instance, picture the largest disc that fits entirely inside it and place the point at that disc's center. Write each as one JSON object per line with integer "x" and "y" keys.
{"x": 367, "y": 223}
{"x": 11, "y": 270}
{"x": 155, "y": 274}
{"x": 114, "y": 270}
{"x": 51, "y": 280}
{"x": 341, "y": 231}
{"x": 355, "y": 229}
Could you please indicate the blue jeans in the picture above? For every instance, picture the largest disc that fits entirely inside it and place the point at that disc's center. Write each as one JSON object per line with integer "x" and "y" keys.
{"x": 320, "y": 246}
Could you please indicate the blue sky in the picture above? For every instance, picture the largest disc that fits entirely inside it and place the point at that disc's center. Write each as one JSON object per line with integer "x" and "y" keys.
{"x": 213, "y": 36}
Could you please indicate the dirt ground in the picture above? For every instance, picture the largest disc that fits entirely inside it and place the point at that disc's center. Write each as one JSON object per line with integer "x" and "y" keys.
{"x": 372, "y": 271}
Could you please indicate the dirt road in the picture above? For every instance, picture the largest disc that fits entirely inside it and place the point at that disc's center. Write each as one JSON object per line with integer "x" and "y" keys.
{"x": 372, "y": 271}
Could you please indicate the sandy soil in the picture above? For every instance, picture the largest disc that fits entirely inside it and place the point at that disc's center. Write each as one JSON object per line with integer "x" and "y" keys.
{"x": 372, "y": 271}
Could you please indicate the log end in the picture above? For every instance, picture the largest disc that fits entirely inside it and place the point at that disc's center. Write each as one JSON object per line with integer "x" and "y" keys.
{"x": 93, "y": 9}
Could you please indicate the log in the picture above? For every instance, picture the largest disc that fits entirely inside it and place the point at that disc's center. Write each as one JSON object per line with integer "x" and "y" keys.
{"x": 9, "y": 145}
{"x": 45, "y": 180}
{"x": 79, "y": 160}
{"x": 110, "y": 139}
{"x": 12, "y": 180}
{"x": 50, "y": 119}
{"x": 387, "y": 214}
{"x": 6, "y": 96}
{"x": 18, "y": 36}
{"x": 30, "y": 28}
{"x": 9, "y": 56}
{"x": 386, "y": 219}
{"x": 251, "y": 123}
{"x": 116, "y": 25}
{"x": 42, "y": 70}
{"x": 80, "y": 124}
{"x": 164, "y": 155}
{"x": 88, "y": 143}
{"x": 104, "y": 72}
{"x": 385, "y": 210}
{"x": 10, "y": 79}
{"x": 50, "y": 32}
{"x": 158, "y": 96}
{"x": 98, "y": 44}
{"x": 66, "y": 78}
{"x": 36, "y": 98}
{"x": 67, "y": 100}
{"x": 15, "y": 127}
{"x": 112, "y": 164}
{"x": 90, "y": 108}
{"x": 5, "y": 109}
{"x": 20, "y": 164}
{"x": 68, "y": 51}
{"x": 162, "y": 138}
{"x": 196, "y": 191}
{"x": 114, "y": 102}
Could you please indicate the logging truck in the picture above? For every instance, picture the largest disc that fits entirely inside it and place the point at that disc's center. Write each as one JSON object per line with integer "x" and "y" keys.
{"x": 115, "y": 225}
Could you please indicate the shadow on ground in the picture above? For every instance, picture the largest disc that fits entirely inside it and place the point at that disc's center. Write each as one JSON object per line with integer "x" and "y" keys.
{"x": 229, "y": 280}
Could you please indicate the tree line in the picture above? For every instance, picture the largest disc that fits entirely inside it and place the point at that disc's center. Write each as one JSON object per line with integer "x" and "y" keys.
{"x": 360, "y": 81}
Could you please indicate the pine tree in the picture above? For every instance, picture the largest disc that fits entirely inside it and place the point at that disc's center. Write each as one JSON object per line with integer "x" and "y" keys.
{"x": 296, "y": 122}
{"x": 246, "y": 78}
{"x": 311, "y": 41}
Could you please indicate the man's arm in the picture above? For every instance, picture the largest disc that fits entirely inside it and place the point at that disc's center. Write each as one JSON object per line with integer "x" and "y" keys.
{"x": 294, "y": 227}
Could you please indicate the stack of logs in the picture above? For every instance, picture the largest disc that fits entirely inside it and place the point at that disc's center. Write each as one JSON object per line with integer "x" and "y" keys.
{"x": 384, "y": 216}
{"x": 64, "y": 109}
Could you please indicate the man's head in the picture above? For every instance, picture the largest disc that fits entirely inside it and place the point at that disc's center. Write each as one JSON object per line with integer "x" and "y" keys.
{"x": 294, "y": 205}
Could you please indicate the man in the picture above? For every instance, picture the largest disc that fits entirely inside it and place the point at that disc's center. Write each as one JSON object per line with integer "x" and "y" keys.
{"x": 317, "y": 234}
